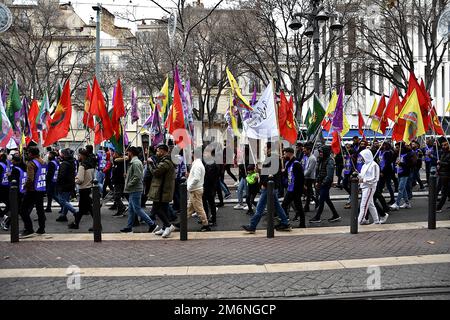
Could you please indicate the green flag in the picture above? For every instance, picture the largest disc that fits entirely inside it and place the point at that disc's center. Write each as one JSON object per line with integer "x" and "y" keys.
{"x": 316, "y": 117}
{"x": 307, "y": 120}
{"x": 13, "y": 103}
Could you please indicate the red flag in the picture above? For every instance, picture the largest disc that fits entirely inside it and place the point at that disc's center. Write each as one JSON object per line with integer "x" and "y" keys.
{"x": 421, "y": 96}
{"x": 426, "y": 109}
{"x": 58, "y": 127}
{"x": 282, "y": 110}
{"x": 435, "y": 124}
{"x": 380, "y": 116}
{"x": 32, "y": 115}
{"x": 287, "y": 127}
{"x": 175, "y": 120}
{"x": 103, "y": 128}
{"x": 118, "y": 109}
{"x": 361, "y": 124}
{"x": 326, "y": 124}
{"x": 335, "y": 143}
{"x": 88, "y": 118}
{"x": 393, "y": 106}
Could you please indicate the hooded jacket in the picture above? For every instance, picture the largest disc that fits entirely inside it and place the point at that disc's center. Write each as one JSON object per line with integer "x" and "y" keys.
{"x": 325, "y": 168}
{"x": 370, "y": 172}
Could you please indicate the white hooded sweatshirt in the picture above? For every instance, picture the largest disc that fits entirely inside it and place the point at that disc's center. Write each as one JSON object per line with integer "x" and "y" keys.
{"x": 370, "y": 172}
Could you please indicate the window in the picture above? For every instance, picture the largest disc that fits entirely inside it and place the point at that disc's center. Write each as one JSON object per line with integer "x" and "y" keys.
{"x": 213, "y": 76}
{"x": 420, "y": 43}
{"x": 398, "y": 73}
{"x": 145, "y": 112}
{"x": 254, "y": 83}
{"x": 380, "y": 80}
{"x": 80, "y": 114}
{"x": 348, "y": 78}
{"x": 338, "y": 75}
{"x": 371, "y": 80}
{"x": 323, "y": 78}
{"x": 352, "y": 35}
{"x": 443, "y": 82}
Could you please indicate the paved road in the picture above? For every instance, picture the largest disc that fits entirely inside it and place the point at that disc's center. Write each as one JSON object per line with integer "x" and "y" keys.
{"x": 215, "y": 252}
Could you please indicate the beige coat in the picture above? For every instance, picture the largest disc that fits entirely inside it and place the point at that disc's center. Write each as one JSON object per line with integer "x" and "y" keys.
{"x": 84, "y": 177}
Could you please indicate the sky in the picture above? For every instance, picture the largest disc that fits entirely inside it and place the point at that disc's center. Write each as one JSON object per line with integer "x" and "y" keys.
{"x": 131, "y": 9}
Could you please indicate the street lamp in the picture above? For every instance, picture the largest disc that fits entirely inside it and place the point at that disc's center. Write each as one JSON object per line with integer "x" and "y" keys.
{"x": 97, "y": 8}
{"x": 316, "y": 19}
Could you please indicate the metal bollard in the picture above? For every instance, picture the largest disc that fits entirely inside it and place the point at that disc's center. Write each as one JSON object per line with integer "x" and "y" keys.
{"x": 183, "y": 212}
{"x": 354, "y": 204}
{"x": 14, "y": 211}
{"x": 432, "y": 198}
{"x": 270, "y": 210}
{"x": 97, "y": 225}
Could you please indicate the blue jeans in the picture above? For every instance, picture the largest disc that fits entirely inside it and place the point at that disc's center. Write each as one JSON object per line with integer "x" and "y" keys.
{"x": 134, "y": 208}
{"x": 224, "y": 188}
{"x": 262, "y": 205}
{"x": 63, "y": 200}
{"x": 402, "y": 190}
{"x": 409, "y": 184}
{"x": 100, "y": 176}
{"x": 242, "y": 191}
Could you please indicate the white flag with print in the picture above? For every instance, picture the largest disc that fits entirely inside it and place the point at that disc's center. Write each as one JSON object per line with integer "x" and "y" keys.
{"x": 263, "y": 122}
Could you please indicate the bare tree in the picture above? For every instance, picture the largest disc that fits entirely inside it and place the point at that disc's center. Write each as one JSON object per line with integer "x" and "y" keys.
{"x": 386, "y": 44}
{"x": 39, "y": 53}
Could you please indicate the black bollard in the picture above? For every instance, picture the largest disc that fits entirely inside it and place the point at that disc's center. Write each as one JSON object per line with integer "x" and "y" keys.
{"x": 14, "y": 211}
{"x": 97, "y": 226}
{"x": 183, "y": 212}
{"x": 354, "y": 204}
{"x": 432, "y": 198}
{"x": 270, "y": 210}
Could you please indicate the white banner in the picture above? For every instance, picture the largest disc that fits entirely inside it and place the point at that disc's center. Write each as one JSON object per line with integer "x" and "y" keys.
{"x": 263, "y": 123}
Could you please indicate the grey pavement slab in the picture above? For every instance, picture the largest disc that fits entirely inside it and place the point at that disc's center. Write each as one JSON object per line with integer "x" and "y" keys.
{"x": 276, "y": 285}
{"x": 216, "y": 252}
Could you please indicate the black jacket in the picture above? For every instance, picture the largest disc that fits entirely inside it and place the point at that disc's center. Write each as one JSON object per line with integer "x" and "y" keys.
{"x": 118, "y": 171}
{"x": 51, "y": 168}
{"x": 276, "y": 178}
{"x": 299, "y": 177}
{"x": 66, "y": 176}
{"x": 212, "y": 176}
{"x": 444, "y": 165}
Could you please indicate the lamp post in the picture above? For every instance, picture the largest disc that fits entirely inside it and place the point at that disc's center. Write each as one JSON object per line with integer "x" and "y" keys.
{"x": 316, "y": 19}
{"x": 97, "y": 8}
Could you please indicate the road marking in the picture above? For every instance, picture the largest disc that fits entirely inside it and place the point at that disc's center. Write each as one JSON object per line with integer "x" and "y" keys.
{"x": 229, "y": 234}
{"x": 227, "y": 269}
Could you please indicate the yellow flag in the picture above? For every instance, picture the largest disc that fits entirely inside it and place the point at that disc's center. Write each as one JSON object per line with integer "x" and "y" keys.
{"x": 414, "y": 127}
{"x": 374, "y": 107}
{"x": 346, "y": 127}
{"x": 165, "y": 95}
{"x": 152, "y": 105}
{"x": 332, "y": 104}
{"x": 235, "y": 89}
{"x": 234, "y": 125}
{"x": 448, "y": 107}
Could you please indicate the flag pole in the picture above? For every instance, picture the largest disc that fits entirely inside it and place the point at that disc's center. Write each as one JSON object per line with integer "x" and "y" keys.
{"x": 280, "y": 149}
{"x": 123, "y": 143}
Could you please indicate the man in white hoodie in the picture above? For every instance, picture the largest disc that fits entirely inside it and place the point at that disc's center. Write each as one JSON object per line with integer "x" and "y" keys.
{"x": 195, "y": 188}
{"x": 368, "y": 178}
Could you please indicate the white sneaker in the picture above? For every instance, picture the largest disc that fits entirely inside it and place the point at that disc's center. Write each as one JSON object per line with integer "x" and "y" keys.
{"x": 168, "y": 231}
{"x": 238, "y": 207}
{"x": 235, "y": 184}
{"x": 364, "y": 222}
{"x": 383, "y": 219}
{"x": 194, "y": 215}
{"x": 375, "y": 223}
{"x": 395, "y": 207}
{"x": 159, "y": 232}
{"x": 405, "y": 206}
{"x": 245, "y": 208}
